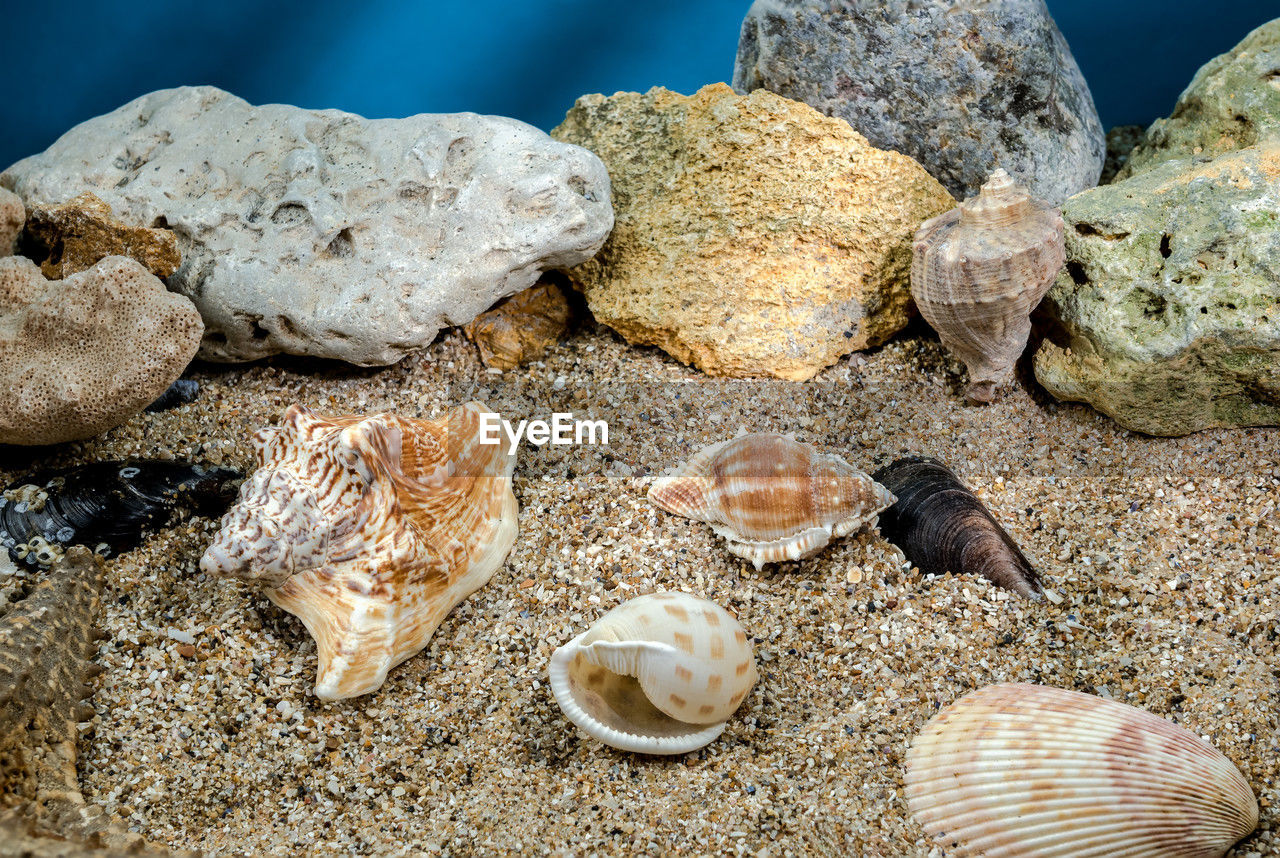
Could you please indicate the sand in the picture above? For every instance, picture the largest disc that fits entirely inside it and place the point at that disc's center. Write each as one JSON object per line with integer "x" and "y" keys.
{"x": 1164, "y": 552}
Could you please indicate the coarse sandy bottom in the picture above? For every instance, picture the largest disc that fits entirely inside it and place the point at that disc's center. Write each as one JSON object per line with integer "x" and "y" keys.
{"x": 1164, "y": 551}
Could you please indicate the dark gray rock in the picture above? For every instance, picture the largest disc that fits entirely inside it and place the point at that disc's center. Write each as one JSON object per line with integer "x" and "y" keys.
{"x": 1120, "y": 143}
{"x": 963, "y": 88}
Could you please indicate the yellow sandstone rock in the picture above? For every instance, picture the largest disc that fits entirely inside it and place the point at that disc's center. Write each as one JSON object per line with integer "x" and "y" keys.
{"x": 754, "y": 236}
{"x": 72, "y": 237}
{"x": 522, "y": 327}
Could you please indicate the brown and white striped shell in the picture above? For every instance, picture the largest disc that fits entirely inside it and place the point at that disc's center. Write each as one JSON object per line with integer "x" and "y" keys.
{"x": 772, "y": 497}
{"x": 370, "y": 530}
{"x": 1029, "y": 771}
{"x": 660, "y": 674}
{"x": 980, "y": 269}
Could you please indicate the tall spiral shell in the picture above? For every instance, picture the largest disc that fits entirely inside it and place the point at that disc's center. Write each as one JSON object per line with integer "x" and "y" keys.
{"x": 1028, "y": 771}
{"x": 980, "y": 269}
{"x": 660, "y": 674}
{"x": 771, "y": 497}
{"x": 370, "y": 530}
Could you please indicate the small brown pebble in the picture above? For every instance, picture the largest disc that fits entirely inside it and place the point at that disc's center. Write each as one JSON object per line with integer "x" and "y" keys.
{"x": 331, "y": 743}
{"x": 187, "y": 650}
{"x": 527, "y": 583}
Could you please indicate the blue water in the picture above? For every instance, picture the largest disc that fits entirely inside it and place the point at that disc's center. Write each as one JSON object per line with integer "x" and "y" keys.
{"x": 69, "y": 61}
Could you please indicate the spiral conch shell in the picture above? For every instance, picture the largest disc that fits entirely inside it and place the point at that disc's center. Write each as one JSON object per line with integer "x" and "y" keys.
{"x": 660, "y": 674}
{"x": 370, "y": 530}
{"x": 771, "y": 497}
{"x": 980, "y": 269}
{"x": 1017, "y": 770}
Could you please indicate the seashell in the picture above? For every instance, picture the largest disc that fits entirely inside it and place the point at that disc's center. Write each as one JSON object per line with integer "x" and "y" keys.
{"x": 772, "y": 498}
{"x": 370, "y": 530}
{"x": 980, "y": 269}
{"x": 1019, "y": 770}
{"x": 942, "y": 527}
{"x": 660, "y": 674}
{"x": 107, "y": 506}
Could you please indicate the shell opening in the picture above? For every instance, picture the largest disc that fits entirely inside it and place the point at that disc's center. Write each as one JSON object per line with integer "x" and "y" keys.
{"x": 612, "y": 707}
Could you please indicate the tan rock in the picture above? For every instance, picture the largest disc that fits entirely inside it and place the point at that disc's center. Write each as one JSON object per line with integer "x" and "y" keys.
{"x": 754, "y": 236}
{"x": 72, "y": 237}
{"x": 83, "y": 354}
{"x": 12, "y": 215}
{"x": 519, "y": 329}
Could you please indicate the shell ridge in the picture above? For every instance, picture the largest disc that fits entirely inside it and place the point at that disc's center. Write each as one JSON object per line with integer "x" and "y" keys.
{"x": 1019, "y": 769}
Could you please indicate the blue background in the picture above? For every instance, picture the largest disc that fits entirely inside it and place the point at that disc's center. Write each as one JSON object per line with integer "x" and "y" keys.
{"x": 69, "y": 61}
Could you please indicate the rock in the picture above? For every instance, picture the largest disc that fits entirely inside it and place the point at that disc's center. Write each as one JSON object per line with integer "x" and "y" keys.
{"x": 519, "y": 329}
{"x": 12, "y": 215}
{"x": 1233, "y": 102}
{"x": 1120, "y": 143}
{"x": 322, "y": 233}
{"x": 83, "y": 354}
{"x": 964, "y": 88}
{"x": 754, "y": 235}
{"x": 68, "y": 238}
{"x": 1169, "y": 314}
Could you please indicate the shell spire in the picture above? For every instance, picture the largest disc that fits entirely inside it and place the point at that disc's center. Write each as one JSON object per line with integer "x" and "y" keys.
{"x": 980, "y": 269}
{"x": 370, "y": 530}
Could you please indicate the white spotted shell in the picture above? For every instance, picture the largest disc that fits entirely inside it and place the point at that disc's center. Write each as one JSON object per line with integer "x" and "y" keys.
{"x": 771, "y": 497}
{"x": 660, "y": 674}
{"x": 1018, "y": 770}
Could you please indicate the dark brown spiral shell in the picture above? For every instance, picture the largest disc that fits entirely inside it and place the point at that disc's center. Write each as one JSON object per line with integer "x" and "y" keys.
{"x": 106, "y": 506}
{"x": 942, "y": 527}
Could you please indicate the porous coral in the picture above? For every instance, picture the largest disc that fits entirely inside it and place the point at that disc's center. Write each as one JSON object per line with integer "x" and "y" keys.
{"x": 80, "y": 355}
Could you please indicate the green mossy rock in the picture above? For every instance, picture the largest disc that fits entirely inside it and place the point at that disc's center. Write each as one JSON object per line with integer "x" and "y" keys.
{"x": 1233, "y": 102}
{"x": 1167, "y": 316}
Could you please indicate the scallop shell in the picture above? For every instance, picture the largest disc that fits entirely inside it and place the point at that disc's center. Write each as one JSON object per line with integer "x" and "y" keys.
{"x": 942, "y": 527}
{"x": 370, "y": 530}
{"x": 773, "y": 498}
{"x": 660, "y": 674}
{"x": 1018, "y": 770}
{"x": 980, "y": 269}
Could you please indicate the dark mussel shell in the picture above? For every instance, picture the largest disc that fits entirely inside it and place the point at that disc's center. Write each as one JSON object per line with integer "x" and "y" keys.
{"x": 106, "y": 506}
{"x": 942, "y": 527}
{"x": 181, "y": 392}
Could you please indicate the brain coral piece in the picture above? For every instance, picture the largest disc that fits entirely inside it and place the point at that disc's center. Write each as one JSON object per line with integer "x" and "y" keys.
{"x": 72, "y": 237}
{"x": 80, "y": 355}
{"x": 12, "y": 216}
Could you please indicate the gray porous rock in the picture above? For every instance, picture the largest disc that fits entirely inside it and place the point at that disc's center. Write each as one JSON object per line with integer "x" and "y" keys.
{"x": 318, "y": 232}
{"x": 1232, "y": 102}
{"x": 1167, "y": 317}
{"x": 13, "y": 214}
{"x": 963, "y": 88}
